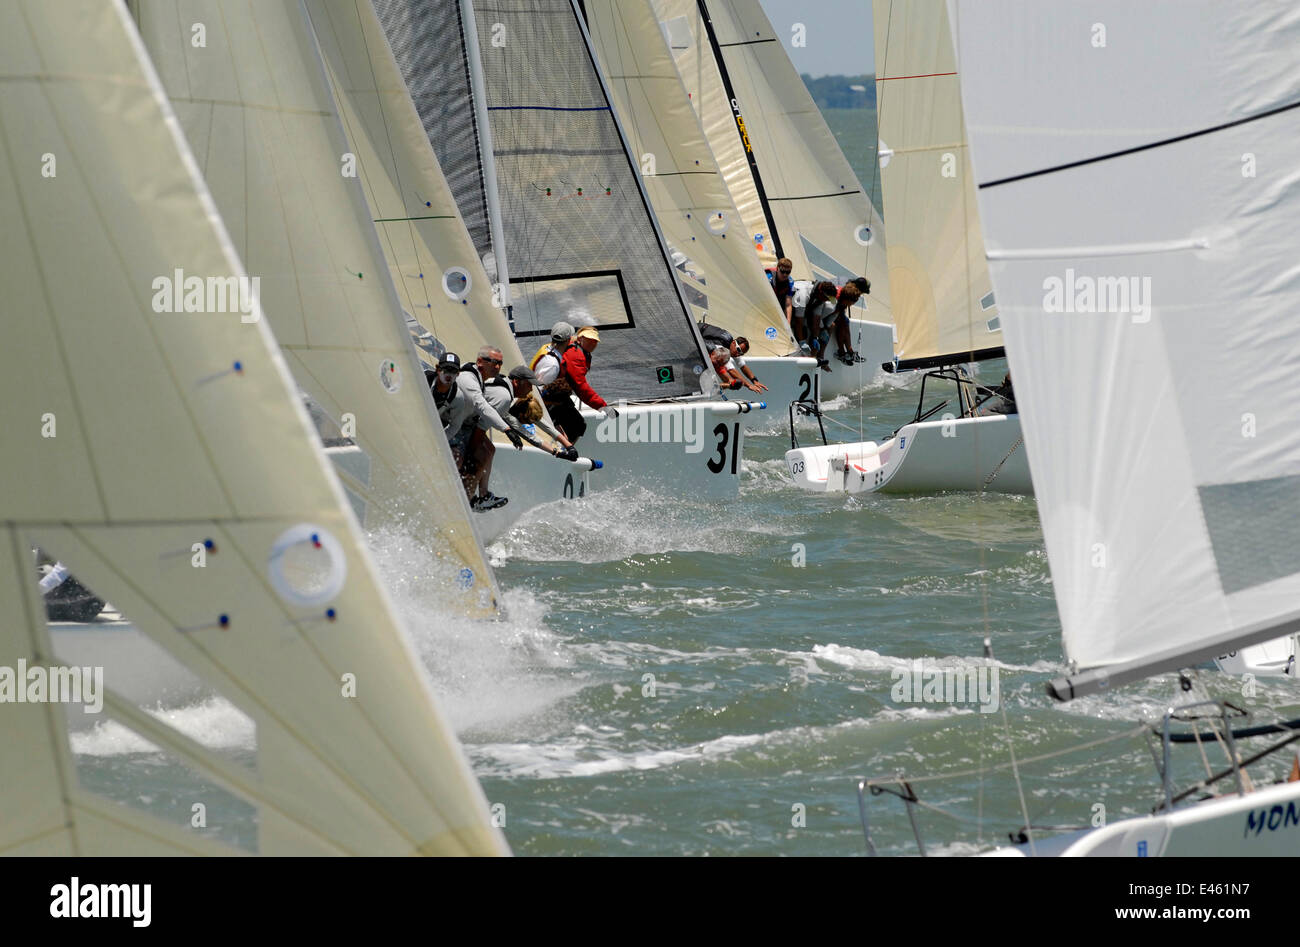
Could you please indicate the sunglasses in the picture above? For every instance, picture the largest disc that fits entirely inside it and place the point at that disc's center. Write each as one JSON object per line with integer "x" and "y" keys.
{"x": 491, "y": 361}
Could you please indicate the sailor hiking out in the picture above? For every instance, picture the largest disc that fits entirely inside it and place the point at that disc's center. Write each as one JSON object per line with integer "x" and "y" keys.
{"x": 561, "y": 368}
{"x": 466, "y": 414}
{"x": 735, "y": 348}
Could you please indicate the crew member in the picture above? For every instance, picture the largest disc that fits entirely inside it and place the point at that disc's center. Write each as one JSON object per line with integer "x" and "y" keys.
{"x": 737, "y": 348}
{"x": 495, "y": 393}
{"x": 525, "y": 409}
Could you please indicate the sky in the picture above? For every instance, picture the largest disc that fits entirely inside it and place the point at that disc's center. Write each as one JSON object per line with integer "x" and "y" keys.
{"x": 839, "y": 34}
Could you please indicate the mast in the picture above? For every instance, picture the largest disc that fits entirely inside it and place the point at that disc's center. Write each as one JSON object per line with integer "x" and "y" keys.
{"x": 478, "y": 99}
{"x": 707, "y": 20}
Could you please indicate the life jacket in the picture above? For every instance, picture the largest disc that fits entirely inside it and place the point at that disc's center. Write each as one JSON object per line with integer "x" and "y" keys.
{"x": 561, "y": 387}
{"x": 717, "y": 335}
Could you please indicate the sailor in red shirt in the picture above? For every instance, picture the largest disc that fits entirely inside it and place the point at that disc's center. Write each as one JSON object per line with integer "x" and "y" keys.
{"x": 577, "y": 362}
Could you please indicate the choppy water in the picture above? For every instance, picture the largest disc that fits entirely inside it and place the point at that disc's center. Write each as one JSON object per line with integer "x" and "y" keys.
{"x": 671, "y": 682}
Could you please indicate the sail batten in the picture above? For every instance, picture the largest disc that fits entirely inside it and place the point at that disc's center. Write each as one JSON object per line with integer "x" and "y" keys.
{"x": 1153, "y": 337}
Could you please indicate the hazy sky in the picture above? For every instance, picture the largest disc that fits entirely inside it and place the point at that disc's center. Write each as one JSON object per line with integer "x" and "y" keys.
{"x": 839, "y": 34}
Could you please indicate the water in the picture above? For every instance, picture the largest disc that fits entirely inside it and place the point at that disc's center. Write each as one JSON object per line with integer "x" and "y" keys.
{"x": 672, "y": 681}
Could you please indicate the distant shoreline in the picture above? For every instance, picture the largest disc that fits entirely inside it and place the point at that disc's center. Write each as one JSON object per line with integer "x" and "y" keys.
{"x": 839, "y": 92}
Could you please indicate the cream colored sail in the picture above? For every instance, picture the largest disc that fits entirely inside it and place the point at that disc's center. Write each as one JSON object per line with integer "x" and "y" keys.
{"x": 439, "y": 277}
{"x": 166, "y": 428}
{"x": 817, "y": 213}
{"x": 939, "y": 282}
{"x": 256, "y": 107}
{"x": 724, "y": 280}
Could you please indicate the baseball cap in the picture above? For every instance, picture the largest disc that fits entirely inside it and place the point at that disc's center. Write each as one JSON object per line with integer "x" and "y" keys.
{"x": 449, "y": 362}
{"x": 587, "y": 332}
{"x": 561, "y": 332}
{"x": 523, "y": 373}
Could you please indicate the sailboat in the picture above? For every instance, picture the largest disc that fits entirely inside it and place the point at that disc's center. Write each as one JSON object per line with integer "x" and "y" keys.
{"x": 254, "y": 102}
{"x": 444, "y": 289}
{"x": 163, "y": 429}
{"x": 525, "y": 132}
{"x": 795, "y": 191}
{"x": 1168, "y": 503}
{"x": 943, "y": 302}
{"x": 714, "y": 258}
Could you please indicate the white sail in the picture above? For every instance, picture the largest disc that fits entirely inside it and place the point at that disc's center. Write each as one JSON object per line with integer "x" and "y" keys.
{"x": 1137, "y": 166}
{"x": 938, "y": 279}
{"x": 439, "y": 277}
{"x": 810, "y": 206}
{"x": 256, "y": 107}
{"x": 173, "y": 427}
{"x": 695, "y": 209}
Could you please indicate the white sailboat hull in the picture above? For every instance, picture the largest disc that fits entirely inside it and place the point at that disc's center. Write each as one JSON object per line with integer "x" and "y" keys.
{"x": 874, "y": 341}
{"x": 529, "y": 478}
{"x": 1262, "y": 823}
{"x": 694, "y": 448}
{"x": 1276, "y": 658}
{"x": 787, "y": 380}
{"x": 962, "y": 454}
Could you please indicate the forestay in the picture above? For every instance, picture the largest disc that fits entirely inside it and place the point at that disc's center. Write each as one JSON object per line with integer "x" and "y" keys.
{"x": 255, "y": 105}
{"x": 943, "y": 301}
{"x": 789, "y": 179}
{"x": 173, "y": 428}
{"x": 719, "y": 269}
{"x": 1139, "y": 190}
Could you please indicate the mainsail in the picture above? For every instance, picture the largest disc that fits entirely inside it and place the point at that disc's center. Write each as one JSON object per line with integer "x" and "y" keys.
{"x": 1139, "y": 191}
{"x": 256, "y": 107}
{"x": 790, "y": 180}
{"x": 169, "y": 428}
{"x": 943, "y": 301}
{"x": 577, "y": 231}
{"x": 434, "y": 264}
{"x": 719, "y": 269}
